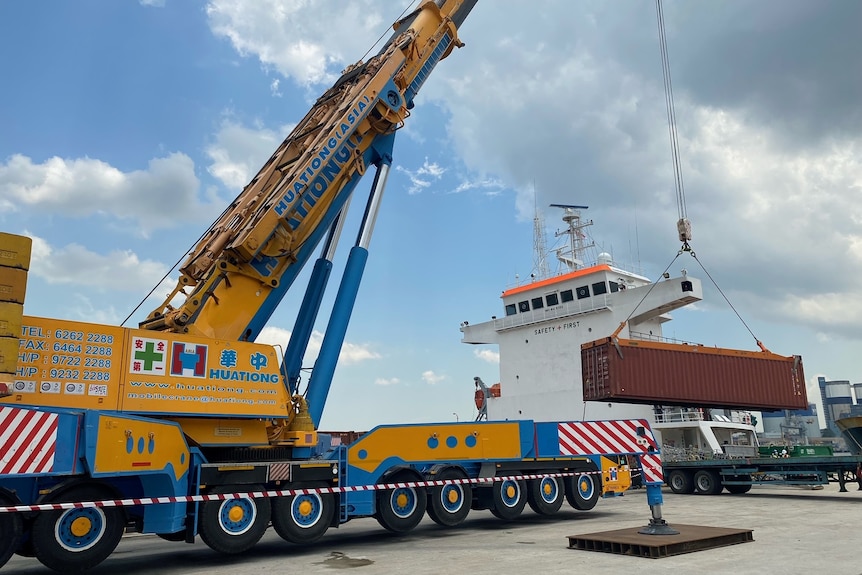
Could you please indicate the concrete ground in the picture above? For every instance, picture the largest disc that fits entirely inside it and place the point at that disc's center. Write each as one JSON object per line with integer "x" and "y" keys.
{"x": 795, "y": 531}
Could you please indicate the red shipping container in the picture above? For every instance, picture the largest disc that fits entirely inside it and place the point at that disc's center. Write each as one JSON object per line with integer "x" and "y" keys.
{"x": 632, "y": 371}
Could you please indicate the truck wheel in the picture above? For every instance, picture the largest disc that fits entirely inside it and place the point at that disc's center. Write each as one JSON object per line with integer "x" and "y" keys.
{"x": 509, "y": 497}
{"x": 303, "y": 518}
{"x": 76, "y": 540}
{"x": 545, "y": 496}
{"x": 707, "y": 482}
{"x": 233, "y": 525}
{"x": 583, "y": 491}
{"x": 401, "y": 509}
{"x": 11, "y": 531}
{"x": 739, "y": 489}
{"x": 448, "y": 505}
{"x": 25, "y": 549}
{"x": 680, "y": 482}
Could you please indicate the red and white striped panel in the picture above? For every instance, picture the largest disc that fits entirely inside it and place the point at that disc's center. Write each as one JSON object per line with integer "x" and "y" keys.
{"x": 601, "y": 437}
{"x": 616, "y": 436}
{"x": 28, "y": 439}
{"x": 651, "y": 468}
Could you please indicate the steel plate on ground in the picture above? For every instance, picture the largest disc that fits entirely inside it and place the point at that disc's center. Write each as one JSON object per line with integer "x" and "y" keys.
{"x": 690, "y": 538}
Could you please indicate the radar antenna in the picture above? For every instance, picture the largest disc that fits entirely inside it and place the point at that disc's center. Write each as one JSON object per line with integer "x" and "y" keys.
{"x": 572, "y": 257}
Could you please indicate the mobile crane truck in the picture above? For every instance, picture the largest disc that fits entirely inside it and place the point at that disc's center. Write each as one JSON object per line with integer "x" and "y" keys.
{"x": 184, "y": 427}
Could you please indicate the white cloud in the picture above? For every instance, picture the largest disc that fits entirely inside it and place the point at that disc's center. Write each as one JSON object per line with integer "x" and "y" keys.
{"x": 161, "y": 196}
{"x": 275, "y": 336}
{"x": 85, "y": 308}
{"x": 432, "y": 378}
{"x": 490, "y": 186}
{"x": 422, "y": 178}
{"x": 73, "y": 264}
{"x": 432, "y": 169}
{"x": 783, "y": 204}
{"x": 93, "y": 280}
{"x": 774, "y": 217}
{"x": 384, "y": 381}
{"x": 238, "y": 152}
{"x": 154, "y": 3}
{"x": 355, "y": 353}
{"x": 488, "y": 355}
{"x": 273, "y": 88}
{"x": 351, "y": 353}
{"x": 309, "y": 41}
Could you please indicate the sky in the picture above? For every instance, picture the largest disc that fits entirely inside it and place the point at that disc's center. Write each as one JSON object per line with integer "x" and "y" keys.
{"x": 126, "y": 127}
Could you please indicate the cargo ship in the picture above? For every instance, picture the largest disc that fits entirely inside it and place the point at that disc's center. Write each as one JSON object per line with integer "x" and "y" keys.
{"x": 607, "y": 309}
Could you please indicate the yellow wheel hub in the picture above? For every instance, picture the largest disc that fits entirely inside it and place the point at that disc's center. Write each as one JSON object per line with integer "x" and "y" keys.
{"x": 547, "y": 488}
{"x": 235, "y": 513}
{"x": 585, "y": 485}
{"x": 402, "y": 500}
{"x": 452, "y": 496}
{"x": 81, "y": 526}
{"x": 305, "y": 508}
{"x": 510, "y": 491}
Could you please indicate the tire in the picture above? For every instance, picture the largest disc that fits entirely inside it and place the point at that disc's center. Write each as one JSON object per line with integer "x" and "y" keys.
{"x": 681, "y": 482}
{"x": 545, "y": 496}
{"x": 401, "y": 509}
{"x": 76, "y": 540}
{"x": 707, "y": 482}
{"x": 583, "y": 491}
{"x": 303, "y": 518}
{"x": 233, "y": 526}
{"x": 11, "y": 531}
{"x": 739, "y": 489}
{"x": 25, "y": 548}
{"x": 449, "y": 504}
{"x": 509, "y": 498}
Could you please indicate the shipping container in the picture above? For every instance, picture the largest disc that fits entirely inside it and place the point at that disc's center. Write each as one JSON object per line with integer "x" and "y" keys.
{"x": 632, "y": 371}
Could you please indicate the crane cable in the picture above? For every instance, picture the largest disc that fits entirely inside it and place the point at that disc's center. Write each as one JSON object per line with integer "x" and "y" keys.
{"x": 683, "y": 224}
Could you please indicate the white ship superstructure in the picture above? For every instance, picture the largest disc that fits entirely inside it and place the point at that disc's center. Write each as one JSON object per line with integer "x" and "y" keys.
{"x": 544, "y": 322}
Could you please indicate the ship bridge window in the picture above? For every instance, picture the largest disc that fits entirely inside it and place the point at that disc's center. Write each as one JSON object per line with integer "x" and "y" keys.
{"x": 600, "y": 288}
{"x": 686, "y": 286}
{"x": 567, "y": 295}
{"x": 538, "y": 303}
{"x": 510, "y": 309}
{"x": 523, "y": 306}
{"x": 615, "y": 287}
{"x": 552, "y": 299}
{"x": 583, "y": 292}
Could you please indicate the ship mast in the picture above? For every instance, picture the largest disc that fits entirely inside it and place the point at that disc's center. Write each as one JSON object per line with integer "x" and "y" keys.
{"x": 573, "y": 256}
{"x": 541, "y": 269}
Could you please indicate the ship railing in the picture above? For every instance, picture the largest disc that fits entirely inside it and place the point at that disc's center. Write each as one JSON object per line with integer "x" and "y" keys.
{"x": 678, "y": 414}
{"x": 659, "y": 338}
{"x": 684, "y": 414}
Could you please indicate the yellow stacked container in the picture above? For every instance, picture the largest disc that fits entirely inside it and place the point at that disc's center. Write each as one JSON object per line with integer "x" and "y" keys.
{"x": 14, "y": 263}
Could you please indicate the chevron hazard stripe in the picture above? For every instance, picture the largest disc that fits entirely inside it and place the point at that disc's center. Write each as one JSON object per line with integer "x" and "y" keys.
{"x": 28, "y": 439}
{"x": 616, "y": 436}
{"x": 651, "y": 467}
{"x": 601, "y": 437}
